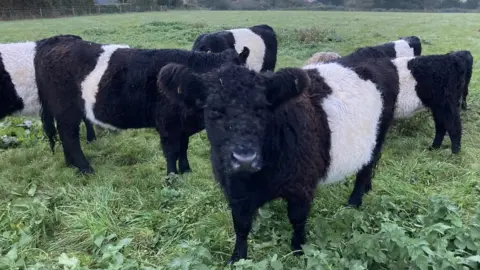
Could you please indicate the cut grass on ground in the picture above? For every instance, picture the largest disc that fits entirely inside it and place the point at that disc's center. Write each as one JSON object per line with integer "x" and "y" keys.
{"x": 130, "y": 214}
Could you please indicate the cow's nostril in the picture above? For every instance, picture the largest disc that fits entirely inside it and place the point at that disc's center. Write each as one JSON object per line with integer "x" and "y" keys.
{"x": 244, "y": 160}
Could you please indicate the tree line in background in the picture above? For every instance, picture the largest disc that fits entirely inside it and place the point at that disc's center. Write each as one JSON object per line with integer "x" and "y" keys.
{"x": 344, "y": 4}
{"x": 251, "y": 4}
{"x": 25, "y": 4}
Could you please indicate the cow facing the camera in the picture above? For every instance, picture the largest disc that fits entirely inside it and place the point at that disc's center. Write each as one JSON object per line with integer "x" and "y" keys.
{"x": 277, "y": 135}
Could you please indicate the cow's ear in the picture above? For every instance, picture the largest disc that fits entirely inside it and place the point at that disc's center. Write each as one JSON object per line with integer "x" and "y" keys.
{"x": 286, "y": 84}
{"x": 180, "y": 84}
{"x": 243, "y": 55}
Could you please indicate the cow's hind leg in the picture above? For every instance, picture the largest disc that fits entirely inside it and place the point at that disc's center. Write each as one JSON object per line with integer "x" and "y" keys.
{"x": 183, "y": 164}
{"x": 69, "y": 131}
{"x": 440, "y": 130}
{"x": 453, "y": 124}
{"x": 171, "y": 151}
{"x": 363, "y": 181}
{"x": 90, "y": 130}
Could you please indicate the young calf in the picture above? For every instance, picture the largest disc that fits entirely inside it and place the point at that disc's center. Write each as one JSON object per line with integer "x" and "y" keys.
{"x": 278, "y": 135}
{"x": 260, "y": 39}
{"x": 18, "y": 87}
{"x": 468, "y": 62}
{"x": 115, "y": 87}
{"x": 435, "y": 82}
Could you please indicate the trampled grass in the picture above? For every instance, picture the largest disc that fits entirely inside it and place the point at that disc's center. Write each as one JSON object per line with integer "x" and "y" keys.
{"x": 52, "y": 218}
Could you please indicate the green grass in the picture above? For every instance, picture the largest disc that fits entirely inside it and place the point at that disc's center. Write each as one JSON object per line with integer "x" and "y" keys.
{"x": 51, "y": 218}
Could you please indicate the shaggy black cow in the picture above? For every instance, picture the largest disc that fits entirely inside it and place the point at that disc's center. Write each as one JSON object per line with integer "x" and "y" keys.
{"x": 434, "y": 82}
{"x": 277, "y": 135}
{"x": 260, "y": 39}
{"x": 468, "y": 61}
{"x": 115, "y": 87}
{"x": 18, "y": 88}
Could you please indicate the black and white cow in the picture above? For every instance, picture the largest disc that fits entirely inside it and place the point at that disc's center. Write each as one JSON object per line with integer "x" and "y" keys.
{"x": 434, "y": 82}
{"x": 404, "y": 47}
{"x": 431, "y": 82}
{"x": 277, "y": 135}
{"x": 260, "y": 39}
{"x": 114, "y": 86}
{"x": 18, "y": 87}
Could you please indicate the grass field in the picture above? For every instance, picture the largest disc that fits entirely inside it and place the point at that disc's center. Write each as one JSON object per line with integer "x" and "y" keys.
{"x": 422, "y": 213}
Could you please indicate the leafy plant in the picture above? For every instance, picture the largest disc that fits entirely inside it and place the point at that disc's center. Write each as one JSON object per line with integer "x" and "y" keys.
{"x": 15, "y": 132}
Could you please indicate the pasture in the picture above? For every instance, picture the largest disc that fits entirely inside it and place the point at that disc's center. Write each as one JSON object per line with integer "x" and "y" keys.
{"x": 421, "y": 214}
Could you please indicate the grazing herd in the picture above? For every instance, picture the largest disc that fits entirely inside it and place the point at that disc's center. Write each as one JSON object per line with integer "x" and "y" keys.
{"x": 115, "y": 86}
{"x": 273, "y": 134}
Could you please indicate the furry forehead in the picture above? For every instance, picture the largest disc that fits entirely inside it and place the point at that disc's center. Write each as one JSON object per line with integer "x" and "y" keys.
{"x": 233, "y": 75}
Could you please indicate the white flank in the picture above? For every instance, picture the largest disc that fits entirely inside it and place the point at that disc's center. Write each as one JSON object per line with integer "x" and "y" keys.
{"x": 402, "y": 48}
{"x": 246, "y": 37}
{"x": 408, "y": 103}
{"x": 91, "y": 82}
{"x": 18, "y": 61}
{"x": 353, "y": 111}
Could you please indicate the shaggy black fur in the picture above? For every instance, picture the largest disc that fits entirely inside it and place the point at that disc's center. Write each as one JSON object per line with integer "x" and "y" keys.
{"x": 468, "y": 61}
{"x": 440, "y": 87}
{"x": 222, "y": 40}
{"x": 57, "y": 37}
{"x": 11, "y": 103}
{"x": 270, "y": 136}
{"x": 127, "y": 95}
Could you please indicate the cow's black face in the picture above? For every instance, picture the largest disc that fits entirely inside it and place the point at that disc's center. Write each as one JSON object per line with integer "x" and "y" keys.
{"x": 236, "y": 115}
{"x": 211, "y": 43}
{"x": 238, "y": 106}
